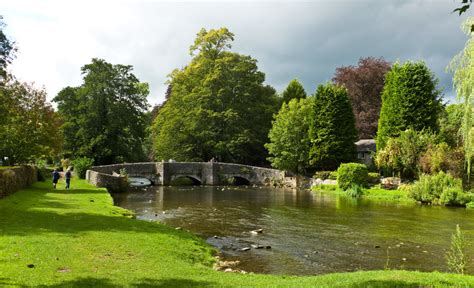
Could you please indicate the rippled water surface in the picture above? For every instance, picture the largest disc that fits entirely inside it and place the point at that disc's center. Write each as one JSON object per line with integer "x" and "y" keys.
{"x": 309, "y": 233}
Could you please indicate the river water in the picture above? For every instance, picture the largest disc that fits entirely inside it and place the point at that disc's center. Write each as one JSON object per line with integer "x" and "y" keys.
{"x": 307, "y": 232}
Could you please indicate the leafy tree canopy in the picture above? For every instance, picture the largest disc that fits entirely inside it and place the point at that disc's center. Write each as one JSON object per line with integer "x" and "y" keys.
{"x": 332, "y": 128}
{"x": 104, "y": 118}
{"x": 218, "y": 106}
{"x": 364, "y": 84}
{"x": 294, "y": 90}
{"x": 28, "y": 126}
{"x": 289, "y": 142}
{"x": 410, "y": 99}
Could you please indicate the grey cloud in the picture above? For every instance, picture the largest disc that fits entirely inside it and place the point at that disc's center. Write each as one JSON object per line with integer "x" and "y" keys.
{"x": 304, "y": 40}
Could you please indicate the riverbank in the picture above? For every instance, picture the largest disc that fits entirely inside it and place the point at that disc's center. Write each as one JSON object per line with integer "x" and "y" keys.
{"x": 373, "y": 193}
{"x": 77, "y": 238}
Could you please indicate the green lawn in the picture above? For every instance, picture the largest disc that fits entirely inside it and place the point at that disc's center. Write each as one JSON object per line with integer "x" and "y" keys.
{"x": 373, "y": 193}
{"x": 77, "y": 238}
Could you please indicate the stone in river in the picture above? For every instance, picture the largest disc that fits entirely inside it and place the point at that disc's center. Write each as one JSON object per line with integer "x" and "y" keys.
{"x": 245, "y": 249}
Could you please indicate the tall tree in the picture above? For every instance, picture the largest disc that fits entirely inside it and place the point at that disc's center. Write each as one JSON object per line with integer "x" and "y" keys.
{"x": 29, "y": 130}
{"x": 294, "y": 90}
{"x": 364, "y": 84}
{"x": 462, "y": 66}
{"x": 332, "y": 128}
{"x": 7, "y": 51}
{"x": 105, "y": 118}
{"x": 218, "y": 106}
{"x": 410, "y": 99}
{"x": 289, "y": 142}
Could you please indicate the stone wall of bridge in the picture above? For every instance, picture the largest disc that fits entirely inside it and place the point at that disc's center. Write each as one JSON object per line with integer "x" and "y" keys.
{"x": 204, "y": 173}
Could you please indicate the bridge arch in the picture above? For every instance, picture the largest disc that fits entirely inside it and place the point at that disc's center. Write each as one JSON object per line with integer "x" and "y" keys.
{"x": 184, "y": 179}
{"x": 237, "y": 180}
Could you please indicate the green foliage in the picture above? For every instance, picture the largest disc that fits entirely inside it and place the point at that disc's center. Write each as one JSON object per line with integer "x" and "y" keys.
{"x": 294, "y": 90}
{"x": 402, "y": 154}
{"x": 218, "y": 106}
{"x": 410, "y": 99}
{"x": 81, "y": 165}
{"x": 462, "y": 66}
{"x": 28, "y": 124}
{"x": 373, "y": 178}
{"x": 350, "y": 174}
{"x": 105, "y": 118}
{"x": 441, "y": 157}
{"x": 331, "y": 129}
{"x": 456, "y": 257}
{"x": 289, "y": 143}
{"x": 325, "y": 175}
{"x": 355, "y": 191}
{"x": 441, "y": 189}
{"x": 450, "y": 125}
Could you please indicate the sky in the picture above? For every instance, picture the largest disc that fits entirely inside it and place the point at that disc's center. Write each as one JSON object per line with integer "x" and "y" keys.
{"x": 306, "y": 40}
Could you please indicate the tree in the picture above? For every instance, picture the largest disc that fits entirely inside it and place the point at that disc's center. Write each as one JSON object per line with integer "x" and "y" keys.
{"x": 7, "y": 51}
{"x": 450, "y": 124}
{"x": 294, "y": 90}
{"x": 410, "y": 99}
{"x": 218, "y": 106}
{"x": 332, "y": 128}
{"x": 104, "y": 118}
{"x": 462, "y": 66}
{"x": 364, "y": 84}
{"x": 289, "y": 143}
{"x": 29, "y": 127}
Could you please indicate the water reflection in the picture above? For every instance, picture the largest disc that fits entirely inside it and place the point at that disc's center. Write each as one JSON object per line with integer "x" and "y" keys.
{"x": 310, "y": 233}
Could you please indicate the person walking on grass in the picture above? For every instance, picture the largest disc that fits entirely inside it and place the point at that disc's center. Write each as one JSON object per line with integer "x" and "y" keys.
{"x": 56, "y": 177}
{"x": 68, "y": 176}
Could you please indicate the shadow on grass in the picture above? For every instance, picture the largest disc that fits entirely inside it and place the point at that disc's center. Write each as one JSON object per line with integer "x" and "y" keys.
{"x": 387, "y": 284}
{"x": 145, "y": 283}
{"x": 25, "y": 216}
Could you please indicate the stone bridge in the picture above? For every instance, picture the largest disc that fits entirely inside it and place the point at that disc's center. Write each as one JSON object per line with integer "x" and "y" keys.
{"x": 202, "y": 173}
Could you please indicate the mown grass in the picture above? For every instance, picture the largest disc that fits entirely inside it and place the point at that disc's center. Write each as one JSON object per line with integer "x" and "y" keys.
{"x": 77, "y": 238}
{"x": 373, "y": 193}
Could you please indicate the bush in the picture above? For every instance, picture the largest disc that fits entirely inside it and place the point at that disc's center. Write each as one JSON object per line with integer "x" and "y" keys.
{"x": 350, "y": 174}
{"x": 441, "y": 189}
{"x": 323, "y": 175}
{"x": 454, "y": 197}
{"x": 81, "y": 165}
{"x": 373, "y": 178}
{"x": 355, "y": 191}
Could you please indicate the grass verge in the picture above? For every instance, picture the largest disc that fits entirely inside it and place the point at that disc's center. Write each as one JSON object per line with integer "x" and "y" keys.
{"x": 77, "y": 238}
{"x": 373, "y": 193}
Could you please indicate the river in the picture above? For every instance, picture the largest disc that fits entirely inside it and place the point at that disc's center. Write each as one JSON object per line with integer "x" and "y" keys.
{"x": 304, "y": 232}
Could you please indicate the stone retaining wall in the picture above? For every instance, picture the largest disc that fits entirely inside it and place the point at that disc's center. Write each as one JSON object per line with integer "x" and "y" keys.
{"x": 14, "y": 179}
{"x": 113, "y": 182}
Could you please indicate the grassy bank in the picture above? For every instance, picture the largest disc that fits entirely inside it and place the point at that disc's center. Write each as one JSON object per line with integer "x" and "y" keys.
{"x": 373, "y": 193}
{"x": 77, "y": 238}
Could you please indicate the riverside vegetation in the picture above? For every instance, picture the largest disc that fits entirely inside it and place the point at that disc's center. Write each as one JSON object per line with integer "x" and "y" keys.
{"x": 77, "y": 238}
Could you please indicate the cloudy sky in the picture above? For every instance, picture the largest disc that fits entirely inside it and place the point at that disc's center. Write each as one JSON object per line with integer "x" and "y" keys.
{"x": 305, "y": 40}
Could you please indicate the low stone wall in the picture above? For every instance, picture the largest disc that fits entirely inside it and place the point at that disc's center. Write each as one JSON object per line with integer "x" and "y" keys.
{"x": 113, "y": 183}
{"x": 14, "y": 179}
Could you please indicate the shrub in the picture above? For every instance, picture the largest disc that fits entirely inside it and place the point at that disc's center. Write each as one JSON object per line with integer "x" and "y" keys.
{"x": 81, "y": 165}
{"x": 456, "y": 257}
{"x": 373, "y": 178}
{"x": 441, "y": 189}
{"x": 350, "y": 174}
{"x": 333, "y": 175}
{"x": 355, "y": 191}
{"x": 322, "y": 175}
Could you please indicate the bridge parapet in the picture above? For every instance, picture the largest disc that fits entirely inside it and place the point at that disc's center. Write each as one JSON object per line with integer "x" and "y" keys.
{"x": 206, "y": 173}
